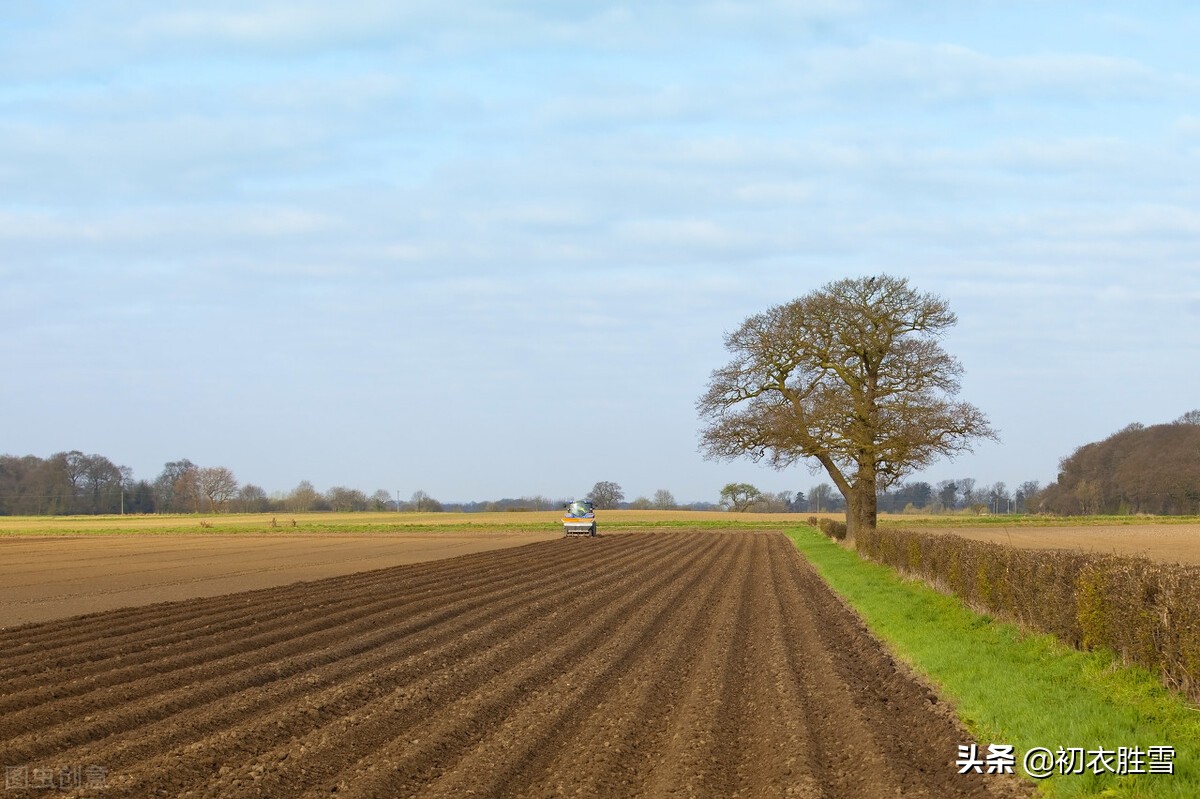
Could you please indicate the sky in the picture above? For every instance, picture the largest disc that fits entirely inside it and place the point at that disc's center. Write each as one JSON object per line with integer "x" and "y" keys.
{"x": 491, "y": 249}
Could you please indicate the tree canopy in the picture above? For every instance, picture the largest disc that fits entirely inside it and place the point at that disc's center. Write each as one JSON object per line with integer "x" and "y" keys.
{"x": 606, "y": 495}
{"x": 739, "y": 496}
{"x": 1138, "y": 469}
{"x": 851, "y": 378}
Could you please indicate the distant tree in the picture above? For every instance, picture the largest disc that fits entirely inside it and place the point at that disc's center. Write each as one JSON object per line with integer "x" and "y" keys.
{"x": 664, "y": 500}
{"x": 218, "y": 485}
{"x": 739, "y": 496}
{"x": 947, "y": 494}
{"x": 606, "y": 495}
{"x": 998, "y": 498}
{"x": 140, "y": 497}
{"x": 799, "y": 502}
{"x": 1138, "y": 469}
{"x": 176, "y": 476}
{"x": 51, "y": 484}
{"x": 101, "y": 484}
{"x": 1191, "y": 417}
{"x": 851, "y": 377}
{"x": 343, "y": 499}
{"x": 381, "y": 500}
{"x": 919, "y": 493}
{"x": 915, "y": 494}
{"x": 252, "y": 499}
{"x": 537, "y": 502}
{"x": 20, "y": 494}
{"x": 423, "y": 503}
{"x": 772, "y": 503}
{"x": 820, "y": 498}
{"x": 966, "y": 491}
{"x": 303, "y": 497}
{"x": 1024, "y": 496}
{"x": 641, "y": 503}
{"x": 186, "y": 491}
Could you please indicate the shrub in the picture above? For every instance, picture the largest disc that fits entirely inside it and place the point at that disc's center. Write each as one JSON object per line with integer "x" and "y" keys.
{"x": 1147, "y": 613}
{"x": 833, "y": 529}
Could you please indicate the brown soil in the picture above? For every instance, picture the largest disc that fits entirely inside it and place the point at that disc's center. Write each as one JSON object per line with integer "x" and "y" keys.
{"x": 52, "y": 577}
{"x": 667, "y": 664}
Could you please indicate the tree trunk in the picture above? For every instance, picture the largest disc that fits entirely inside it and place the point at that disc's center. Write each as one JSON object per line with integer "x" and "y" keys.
{"x": 862, "y": 509}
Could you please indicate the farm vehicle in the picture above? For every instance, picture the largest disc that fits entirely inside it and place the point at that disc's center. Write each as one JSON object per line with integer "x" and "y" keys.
{"x": 579, "y": 518}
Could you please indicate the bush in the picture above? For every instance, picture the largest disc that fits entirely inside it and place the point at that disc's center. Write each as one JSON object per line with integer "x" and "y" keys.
{"x": 1147, "y": 613}
{"x": 831, "y": 528}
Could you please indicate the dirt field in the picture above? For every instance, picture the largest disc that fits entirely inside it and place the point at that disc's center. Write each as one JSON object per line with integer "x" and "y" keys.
{"x": 1168, "y": 543}
{"x": 53, "y": 577}
{"x": 664, "y": 664}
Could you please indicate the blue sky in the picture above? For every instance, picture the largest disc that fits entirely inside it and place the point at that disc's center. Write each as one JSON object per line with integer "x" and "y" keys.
{"x": 491, "y": 249}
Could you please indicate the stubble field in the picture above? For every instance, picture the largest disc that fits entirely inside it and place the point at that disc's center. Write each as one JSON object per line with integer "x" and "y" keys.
{"x": 688, "y": 663}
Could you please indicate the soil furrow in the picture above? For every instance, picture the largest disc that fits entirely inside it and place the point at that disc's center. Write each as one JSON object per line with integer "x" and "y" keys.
{"x": 684, "y": 758}
{"x": 601, "y": 753}
{"x": 516, "y": 752}
{"x": 455, "y": 711}
{"x": 880, "y": 728}
{"x": 271, "y": 620}
{"x": 690, "y": 664}
{"x": 163, "y": 692}
{"x": 115, "y": 635}
{"x": 258, "y": 716}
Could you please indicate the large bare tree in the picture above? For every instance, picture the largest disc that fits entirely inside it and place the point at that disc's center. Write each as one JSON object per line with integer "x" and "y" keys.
{"x": 606, "y": 495}
{"x": 852, "y": 378}
{"x": 218, "y": 484}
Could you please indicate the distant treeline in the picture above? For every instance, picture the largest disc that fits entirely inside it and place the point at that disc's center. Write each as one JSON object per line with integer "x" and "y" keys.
{"x": 1153, "y": 470}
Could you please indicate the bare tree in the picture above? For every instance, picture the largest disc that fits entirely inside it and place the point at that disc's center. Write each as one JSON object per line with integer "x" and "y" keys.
{"x": 186, "y": 490}
{"x": 999, "y": 500}
{"x": 381, "y": 500}
{"x": 342, "y": 499}
{"x": 218, "y": 484}
{"x": 303, "y": 497}
{"x": 165, "y": 485}
{"x": 820, "y": 498}
{"x": 851, "y": 377}
{"x": 537, "y": 502}
{"x": 966, "y": 490}
{"x": 606, "y": 495}
{"x": 664, "y": 500}
{"x": 423, "y": 503}
{"x": 1025, "y": 494}
{"x": 252, "y": 499}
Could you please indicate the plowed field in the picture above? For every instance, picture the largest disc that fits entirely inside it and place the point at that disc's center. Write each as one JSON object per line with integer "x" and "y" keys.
{"x": 666, "y": 664}
{"x": 1167, "y": 543}
{"x": 52, "y": 577}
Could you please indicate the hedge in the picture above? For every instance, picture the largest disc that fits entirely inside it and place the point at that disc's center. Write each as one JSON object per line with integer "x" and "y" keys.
{"x": 1146, "y": 612}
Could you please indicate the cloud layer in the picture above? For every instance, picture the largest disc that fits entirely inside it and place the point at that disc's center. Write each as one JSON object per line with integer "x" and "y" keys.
{"x": 348, "y": 244}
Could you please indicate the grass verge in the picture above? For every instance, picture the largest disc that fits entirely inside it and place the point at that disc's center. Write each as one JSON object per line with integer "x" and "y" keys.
{"x": 1012, "y": 687}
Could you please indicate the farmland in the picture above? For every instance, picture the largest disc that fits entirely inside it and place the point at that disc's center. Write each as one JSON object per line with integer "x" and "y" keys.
{"x": 445, "y": 654}
{"x": 1168, "y": 540}
{"x": 64, "y": 566}
{"x": 634, "y": 664}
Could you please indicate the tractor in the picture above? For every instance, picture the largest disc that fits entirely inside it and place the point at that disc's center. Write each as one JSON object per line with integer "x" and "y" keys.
{"x": 579, "y": 518}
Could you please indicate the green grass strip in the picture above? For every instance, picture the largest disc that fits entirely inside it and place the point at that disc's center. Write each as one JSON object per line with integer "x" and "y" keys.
{"x": 1013, "y": 687}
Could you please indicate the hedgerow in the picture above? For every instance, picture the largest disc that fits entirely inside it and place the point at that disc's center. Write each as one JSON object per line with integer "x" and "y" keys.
{"x": 1148, "y": 613}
